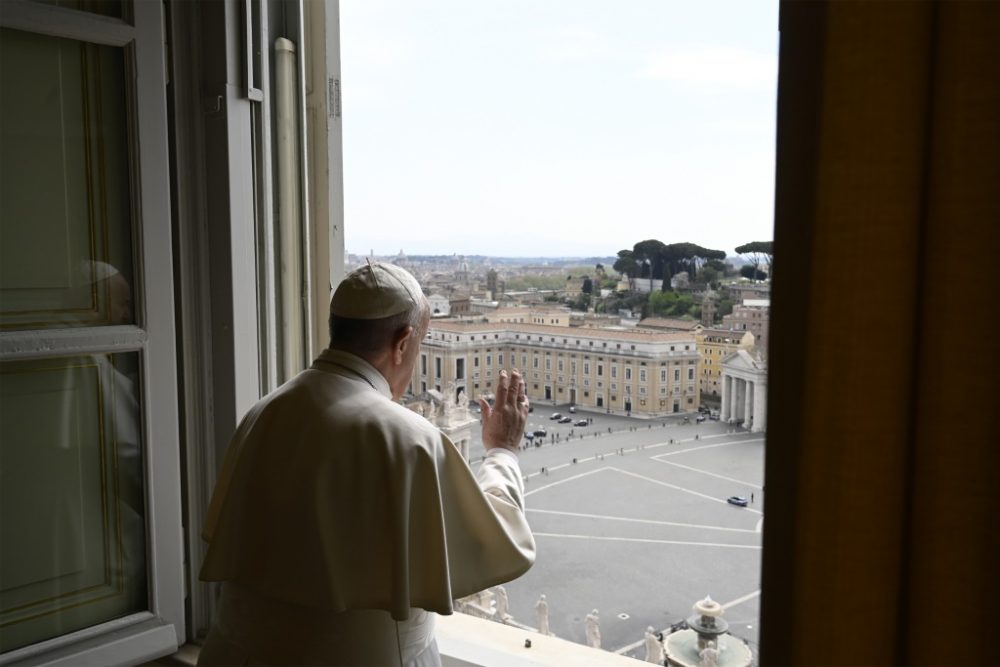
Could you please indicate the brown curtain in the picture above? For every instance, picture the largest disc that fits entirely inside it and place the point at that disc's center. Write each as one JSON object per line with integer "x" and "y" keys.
{"x": 882, "y": 537}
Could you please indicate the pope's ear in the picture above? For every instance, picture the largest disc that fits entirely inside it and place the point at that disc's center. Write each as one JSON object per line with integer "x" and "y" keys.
{"x": 400, "y": 342}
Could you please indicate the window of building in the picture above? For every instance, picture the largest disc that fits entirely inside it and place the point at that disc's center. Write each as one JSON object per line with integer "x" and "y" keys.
{"x": 460, "y": 368}
{"x": 600, "y": 369}
{"x": 642, "y": 375}
{"x": 628, "y": 372}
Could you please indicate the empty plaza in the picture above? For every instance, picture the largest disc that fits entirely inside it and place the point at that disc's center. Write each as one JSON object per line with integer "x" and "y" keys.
{"x": 638, "y": 526}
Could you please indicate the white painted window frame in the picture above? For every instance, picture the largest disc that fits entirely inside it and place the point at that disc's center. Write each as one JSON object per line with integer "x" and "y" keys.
{"x": 158, "y": 631}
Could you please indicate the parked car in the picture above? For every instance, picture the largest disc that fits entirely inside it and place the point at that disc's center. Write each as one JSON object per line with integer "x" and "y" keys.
{"x": 565, "y": 420}
{"x": 580, "y": 422}
{"x": 700, "y": 418}
{"x": 572, "y": 409}
{"x": 737, "y": 500}
{"x": 528, "y": 435}
{"x": 555, "y": 415}
{"x": 540, "y": 433}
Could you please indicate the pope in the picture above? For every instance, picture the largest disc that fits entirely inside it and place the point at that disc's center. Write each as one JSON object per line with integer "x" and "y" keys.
{"x": 342, "y": 523}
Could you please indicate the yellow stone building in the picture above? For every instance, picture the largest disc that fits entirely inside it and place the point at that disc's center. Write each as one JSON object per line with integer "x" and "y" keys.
{"x": 714, "y": 345}
{"x": 623, "y": 370}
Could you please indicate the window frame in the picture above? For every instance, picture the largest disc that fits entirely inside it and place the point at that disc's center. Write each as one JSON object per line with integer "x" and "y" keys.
{"x": 161, "y": 629}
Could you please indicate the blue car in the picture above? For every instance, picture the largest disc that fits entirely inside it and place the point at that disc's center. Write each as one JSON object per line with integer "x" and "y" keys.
{"x": 737, "y": 500}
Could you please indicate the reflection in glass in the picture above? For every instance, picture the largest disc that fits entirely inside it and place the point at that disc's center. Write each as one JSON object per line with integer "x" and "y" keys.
{"x": 65, "y": 199}
{"x": 72, "y": 516}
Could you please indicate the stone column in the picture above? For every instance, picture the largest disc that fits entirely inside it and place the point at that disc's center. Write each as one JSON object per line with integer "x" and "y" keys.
{"x": 760, "y": 408}
{"x": 748, "y": 406}
{"x": 740, "y": 387}
{"x": 727, "y": 397}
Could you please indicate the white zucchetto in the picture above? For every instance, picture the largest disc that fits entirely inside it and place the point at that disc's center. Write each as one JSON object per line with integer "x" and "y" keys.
{"x": 375, "y": 291}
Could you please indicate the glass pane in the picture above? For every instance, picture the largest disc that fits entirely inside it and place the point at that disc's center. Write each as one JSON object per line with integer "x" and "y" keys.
{"x": 72, "y": 516}
{"x": 104, "y": 7}
{"x": 65, "y": 204}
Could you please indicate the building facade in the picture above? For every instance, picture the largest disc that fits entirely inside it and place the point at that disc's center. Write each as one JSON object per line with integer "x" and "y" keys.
{"x": 753, "y": 316}
{"x": 714, "y": 345}
{"x": 625, "y": 371}
{"x": 744, "y": 390}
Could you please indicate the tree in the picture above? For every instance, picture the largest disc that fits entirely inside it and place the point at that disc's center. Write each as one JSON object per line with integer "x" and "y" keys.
{"x": 757, "y": 252}
{"x": 582, "y": 302}
{"x": 669, "y": 304}
{"x": 750, "y": 271}
{"x": 588, "y": 285}
{"x": 709, "y": 275}
{"x": 626, "y": 266}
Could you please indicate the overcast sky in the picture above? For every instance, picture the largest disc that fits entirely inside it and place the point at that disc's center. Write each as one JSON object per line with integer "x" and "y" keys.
{"x": 557, "y": 127}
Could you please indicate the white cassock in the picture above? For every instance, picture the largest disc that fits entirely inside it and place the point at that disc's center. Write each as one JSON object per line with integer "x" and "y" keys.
{"x": 342, "y": 522}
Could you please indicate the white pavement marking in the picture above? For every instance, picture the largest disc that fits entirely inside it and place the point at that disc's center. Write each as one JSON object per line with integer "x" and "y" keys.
{"x": 679, "y": 488}
{"x": 738, "y": 601}
{"x": 718, "y": 444}
{"x": 652, "y": 521}
{"x": 647, "y": 540}
{"x": 703, "y": 472}
{"x": 760, "y": 525}
{"x": 563, "y": 481}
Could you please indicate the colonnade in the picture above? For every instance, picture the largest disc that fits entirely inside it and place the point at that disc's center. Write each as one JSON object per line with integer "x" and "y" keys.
{"x": 744, "y": 400}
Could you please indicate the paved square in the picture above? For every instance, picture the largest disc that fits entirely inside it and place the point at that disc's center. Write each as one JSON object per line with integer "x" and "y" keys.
{"x": 639, "y": 528}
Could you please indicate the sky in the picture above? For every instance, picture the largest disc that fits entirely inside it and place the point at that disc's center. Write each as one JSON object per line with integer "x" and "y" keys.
{"x": 557, "y": 127}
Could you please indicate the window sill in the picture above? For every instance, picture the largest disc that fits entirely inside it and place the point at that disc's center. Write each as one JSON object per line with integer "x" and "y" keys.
{"x": 128, "y": 645}
{"x": 467, "y": 641}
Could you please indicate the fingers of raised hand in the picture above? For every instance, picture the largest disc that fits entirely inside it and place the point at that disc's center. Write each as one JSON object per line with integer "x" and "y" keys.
{"x": 503, "y": 387}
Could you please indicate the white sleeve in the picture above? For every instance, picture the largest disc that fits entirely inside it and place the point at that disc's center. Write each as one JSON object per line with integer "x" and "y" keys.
{"x": 499, "y": 477}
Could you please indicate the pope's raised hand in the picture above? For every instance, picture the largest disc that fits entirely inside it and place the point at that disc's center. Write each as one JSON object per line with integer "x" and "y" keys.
{"x": 503, "y": 423}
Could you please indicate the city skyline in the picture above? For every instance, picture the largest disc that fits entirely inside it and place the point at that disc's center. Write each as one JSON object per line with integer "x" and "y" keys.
{"x": 529, "y": 129}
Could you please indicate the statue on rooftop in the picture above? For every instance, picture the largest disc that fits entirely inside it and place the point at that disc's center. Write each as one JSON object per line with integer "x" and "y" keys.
{"x": 593, "y": 624}
{"x": 503, "y": 604}
{"x": 542, "y": 613}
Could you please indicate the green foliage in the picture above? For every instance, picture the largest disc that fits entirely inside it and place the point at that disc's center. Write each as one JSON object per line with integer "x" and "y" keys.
{"x": 725, "y": 307}
{"x": 582, "y": 302}
{"x": 551, "y": 298}
{"x": 757, "y": 253}
{"x": 661, "y": 261}
{"x": 709, "y": 275}
{"x": 625, "y": 265}
{"x": 752, "y": 272}
{"x": 670, "y": 304}
{"x": 615, "y": 302}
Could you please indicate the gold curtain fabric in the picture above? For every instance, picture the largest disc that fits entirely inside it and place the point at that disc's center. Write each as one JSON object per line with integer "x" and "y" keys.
{"x": 881, "y": 543}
